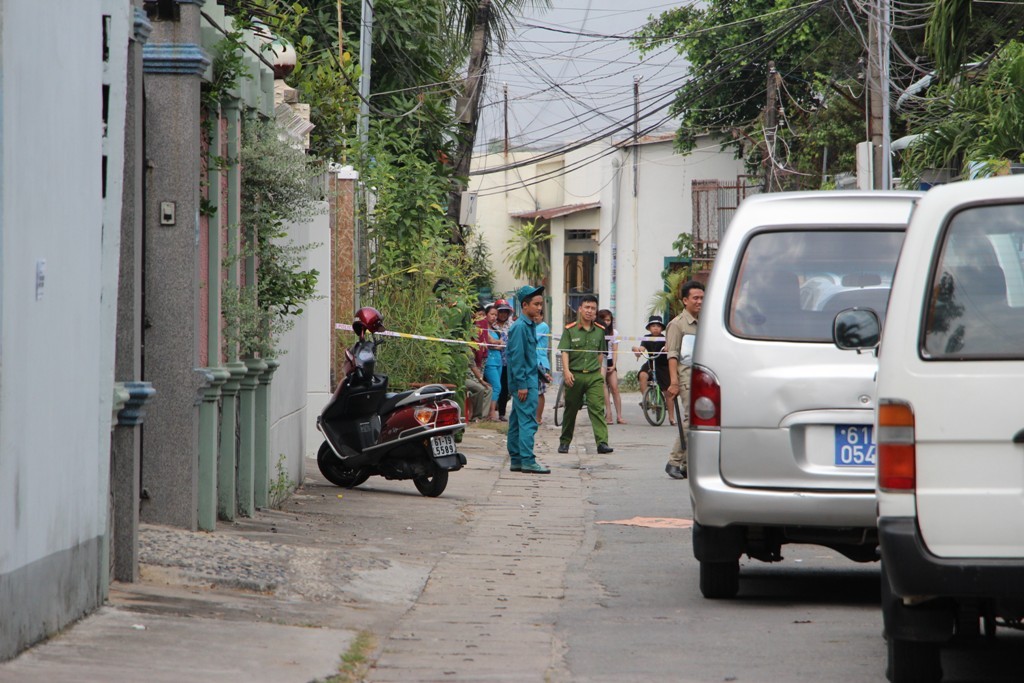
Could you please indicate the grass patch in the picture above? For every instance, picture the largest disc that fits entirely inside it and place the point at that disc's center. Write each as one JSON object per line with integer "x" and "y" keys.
{"x": 355, "y": 661}
{"x": 629, "y": 382}
{"x": 500, "y": 427}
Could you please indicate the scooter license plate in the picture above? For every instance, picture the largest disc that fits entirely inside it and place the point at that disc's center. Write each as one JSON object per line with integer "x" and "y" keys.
{"x": 443, "y": 445}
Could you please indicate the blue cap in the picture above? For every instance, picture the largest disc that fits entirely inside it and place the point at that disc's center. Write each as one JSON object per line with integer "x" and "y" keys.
{"x": 526, "y": 291}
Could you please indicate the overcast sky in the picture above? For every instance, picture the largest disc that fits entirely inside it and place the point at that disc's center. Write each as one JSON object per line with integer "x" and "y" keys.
{"x": 564, "y": 87}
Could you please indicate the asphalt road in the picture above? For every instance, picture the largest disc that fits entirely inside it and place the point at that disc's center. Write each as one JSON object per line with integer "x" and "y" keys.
{"x": 634, "y": 611}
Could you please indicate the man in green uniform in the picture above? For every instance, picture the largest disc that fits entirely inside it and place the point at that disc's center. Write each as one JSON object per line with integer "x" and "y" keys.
{"x": 581, "y": 346}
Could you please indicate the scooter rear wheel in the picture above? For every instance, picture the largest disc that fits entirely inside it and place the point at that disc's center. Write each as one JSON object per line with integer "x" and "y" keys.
{"x": 334, "y": 470}
{"x": 433, "y": 485}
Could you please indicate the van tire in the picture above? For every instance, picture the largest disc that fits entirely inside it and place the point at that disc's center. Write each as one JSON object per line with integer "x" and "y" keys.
{"x": 913, "y": 662}
{"x": 720, "y": 580}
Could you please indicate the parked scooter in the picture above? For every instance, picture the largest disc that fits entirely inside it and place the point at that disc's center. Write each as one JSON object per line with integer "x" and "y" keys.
{"x": 368, "y": 431}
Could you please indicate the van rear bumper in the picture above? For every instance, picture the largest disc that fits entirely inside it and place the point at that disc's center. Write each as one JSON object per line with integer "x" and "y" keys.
{"x": 914, "y": 571}
{"x": 716, "y": 503}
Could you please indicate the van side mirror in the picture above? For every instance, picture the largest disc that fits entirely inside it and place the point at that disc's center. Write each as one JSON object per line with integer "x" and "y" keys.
{"x": 856, "y": 329}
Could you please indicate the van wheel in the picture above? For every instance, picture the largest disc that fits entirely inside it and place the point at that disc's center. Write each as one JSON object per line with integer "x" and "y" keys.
{"x": 334, "y": 470}
{"x": 433, "y": 485}
{"x": 913, "y": 662}
{"x": 720, "y": 580}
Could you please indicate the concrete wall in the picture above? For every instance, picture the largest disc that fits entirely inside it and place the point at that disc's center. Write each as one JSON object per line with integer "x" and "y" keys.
{"x": 54, "y": 437}
{"x": 646, "y": 226}
{"x": 299, "y": 388}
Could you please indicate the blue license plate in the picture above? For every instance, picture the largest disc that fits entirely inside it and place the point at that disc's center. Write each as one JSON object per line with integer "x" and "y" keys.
{"x": 855, "y": 446}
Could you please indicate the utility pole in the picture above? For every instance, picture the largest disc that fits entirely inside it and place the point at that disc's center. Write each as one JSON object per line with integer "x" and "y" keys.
{"x": 771, "y": 123}
{"x": 636, "y": 133}
{"x": 467, "y": 111}
{"x": 879, "y": 34}
{"x": 504, "y": 90}
{"x": 363, "y": 129}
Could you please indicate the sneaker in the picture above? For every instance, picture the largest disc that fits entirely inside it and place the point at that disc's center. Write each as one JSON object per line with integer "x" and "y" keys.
{"x": 604, "y": 448}
{"x": 534, "y": 468}
{"x": 674, "y": 472}
{"x": 563, "y": 448}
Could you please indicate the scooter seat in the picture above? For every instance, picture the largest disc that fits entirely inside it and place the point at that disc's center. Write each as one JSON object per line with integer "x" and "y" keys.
{"x": 391, "y": 401}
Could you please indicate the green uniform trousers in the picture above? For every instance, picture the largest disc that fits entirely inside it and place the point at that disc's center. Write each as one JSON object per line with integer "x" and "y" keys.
{"x": 589, "y": 388}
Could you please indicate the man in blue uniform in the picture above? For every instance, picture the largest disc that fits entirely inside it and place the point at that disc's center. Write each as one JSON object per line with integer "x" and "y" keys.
{"x": 523, "y": 378}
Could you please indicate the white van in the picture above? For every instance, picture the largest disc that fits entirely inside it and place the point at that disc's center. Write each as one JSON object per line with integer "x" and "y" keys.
{"x": 781, "y": 442}
{"x": 950, "y": 424}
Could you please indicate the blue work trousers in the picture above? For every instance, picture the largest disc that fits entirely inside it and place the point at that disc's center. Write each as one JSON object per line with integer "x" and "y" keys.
{"x": 522, "y": 428}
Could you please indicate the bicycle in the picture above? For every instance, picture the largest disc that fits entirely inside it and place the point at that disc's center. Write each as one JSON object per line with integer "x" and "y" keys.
{"x": 653, "y": 403}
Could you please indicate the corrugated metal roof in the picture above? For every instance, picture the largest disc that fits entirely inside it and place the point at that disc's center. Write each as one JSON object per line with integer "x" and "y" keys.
{"x": 556, "y": 212}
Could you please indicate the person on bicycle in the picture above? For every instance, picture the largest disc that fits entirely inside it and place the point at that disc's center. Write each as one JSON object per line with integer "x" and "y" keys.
{"x": 657, "y": 361}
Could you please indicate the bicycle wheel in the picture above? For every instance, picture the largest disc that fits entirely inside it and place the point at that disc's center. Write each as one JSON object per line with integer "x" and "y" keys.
{"x": 559, "y": 404}
{"x": 654, "y": 405}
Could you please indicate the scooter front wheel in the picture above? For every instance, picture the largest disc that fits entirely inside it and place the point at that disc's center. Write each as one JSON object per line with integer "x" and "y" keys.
{"x": 434, "y": 484}
{"x": 334, "y": 470}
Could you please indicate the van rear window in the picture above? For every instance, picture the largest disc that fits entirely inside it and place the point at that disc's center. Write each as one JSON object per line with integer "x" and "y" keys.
{"x": 791, "y": 284}
{"x": 975, "y": 307}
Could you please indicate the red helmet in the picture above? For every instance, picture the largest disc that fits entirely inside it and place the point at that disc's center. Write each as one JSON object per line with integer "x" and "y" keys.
{"x": 367, "y": 319}
{"x": 503, "y": 305}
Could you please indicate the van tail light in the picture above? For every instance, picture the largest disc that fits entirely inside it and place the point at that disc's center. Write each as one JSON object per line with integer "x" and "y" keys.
{"x": 896, "y": 453}
{"x": 705, "y": 399}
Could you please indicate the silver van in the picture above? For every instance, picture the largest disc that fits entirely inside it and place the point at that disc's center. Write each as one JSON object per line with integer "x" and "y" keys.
{"x": 781, "y": 443}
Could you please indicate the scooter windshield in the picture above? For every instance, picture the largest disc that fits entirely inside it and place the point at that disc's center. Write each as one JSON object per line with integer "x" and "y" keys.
{"x": 364, "y": 358}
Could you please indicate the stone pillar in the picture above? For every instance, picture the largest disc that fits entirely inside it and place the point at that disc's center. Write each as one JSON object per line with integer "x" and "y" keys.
{"x": 227, "y": 498}
{"x": 247, "y": 436}
{"x": 227, "y": 470}
{"x": 125, "y": 474}
{"x": 126, "y": 441}
{"x": 209, "y": 418}
{"x": 209, "y": 412}
{"x": 265, "y": 460}
{"x": 341, "y": 196}
{"x": 173, "y": 62}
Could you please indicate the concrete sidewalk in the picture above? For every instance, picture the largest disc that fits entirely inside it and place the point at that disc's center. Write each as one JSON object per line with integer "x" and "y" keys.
{"x": 441, "y": 587}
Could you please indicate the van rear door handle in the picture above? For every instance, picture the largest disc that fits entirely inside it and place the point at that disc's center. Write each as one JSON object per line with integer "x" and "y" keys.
{"x": 1019, "y": 437}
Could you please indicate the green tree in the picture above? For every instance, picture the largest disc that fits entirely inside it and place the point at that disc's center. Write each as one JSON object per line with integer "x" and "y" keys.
{"x": 729, "y": 44}
{"x": 973, "y": 122}
{"x": 526, "y": 251}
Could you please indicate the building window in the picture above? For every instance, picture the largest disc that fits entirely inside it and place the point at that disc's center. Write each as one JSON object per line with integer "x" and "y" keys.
{"x": 579, "y": 281}
{"x": 581, "y": 234}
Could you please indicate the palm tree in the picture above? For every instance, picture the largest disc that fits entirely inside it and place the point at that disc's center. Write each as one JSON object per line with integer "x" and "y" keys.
{"x": 668, "y": 299}
{"x": 478, "y": 23}
{"x": 526, "y": 253}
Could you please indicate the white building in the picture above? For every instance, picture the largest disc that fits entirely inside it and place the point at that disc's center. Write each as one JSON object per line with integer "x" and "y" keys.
{"x": 58, "y": 286}
{"x": 614, "y": 210}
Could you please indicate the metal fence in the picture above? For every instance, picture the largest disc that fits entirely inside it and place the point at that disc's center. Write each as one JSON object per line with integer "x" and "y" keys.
{"x": 714, "y": 203}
